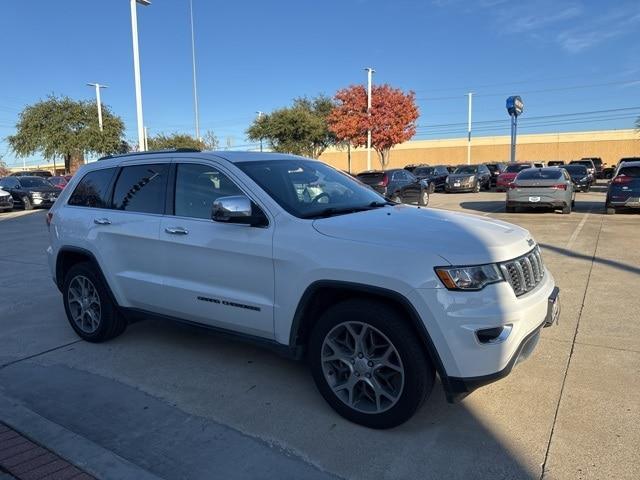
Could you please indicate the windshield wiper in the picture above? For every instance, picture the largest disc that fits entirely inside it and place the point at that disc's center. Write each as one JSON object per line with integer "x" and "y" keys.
{"x": 381, "y": 204}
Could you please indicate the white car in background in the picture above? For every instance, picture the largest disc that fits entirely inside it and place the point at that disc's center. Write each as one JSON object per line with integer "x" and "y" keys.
{"x": 291, "y": 254}
{"x": 6, "y": 201}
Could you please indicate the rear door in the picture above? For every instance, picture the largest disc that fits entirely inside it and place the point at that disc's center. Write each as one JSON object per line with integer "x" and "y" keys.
{"x": 220, "y": 274}
{"x": 411, "y": 187}
{"x": 126, "y": 235}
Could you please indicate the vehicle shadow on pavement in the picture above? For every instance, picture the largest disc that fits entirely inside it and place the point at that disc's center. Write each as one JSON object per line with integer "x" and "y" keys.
{"x": 604, "y": 261}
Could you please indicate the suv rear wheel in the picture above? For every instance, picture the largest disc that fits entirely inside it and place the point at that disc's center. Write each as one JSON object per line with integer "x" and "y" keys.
{"x": 90, "y": 310}
{"x": 368, "y": 363}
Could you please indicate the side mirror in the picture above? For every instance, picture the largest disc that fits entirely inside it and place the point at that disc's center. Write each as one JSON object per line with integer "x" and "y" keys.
{"x": 237, "y": 209}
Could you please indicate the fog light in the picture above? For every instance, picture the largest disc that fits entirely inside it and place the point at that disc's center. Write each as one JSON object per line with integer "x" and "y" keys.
{"x": 494, "y": 335}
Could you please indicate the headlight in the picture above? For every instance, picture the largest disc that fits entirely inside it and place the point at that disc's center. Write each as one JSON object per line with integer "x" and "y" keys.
{"x": 469, "y": 278}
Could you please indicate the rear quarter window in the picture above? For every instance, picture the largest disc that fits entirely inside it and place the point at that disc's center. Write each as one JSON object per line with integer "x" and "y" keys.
{"x": 141, "y": 188}
{"x": 93, "y": 189}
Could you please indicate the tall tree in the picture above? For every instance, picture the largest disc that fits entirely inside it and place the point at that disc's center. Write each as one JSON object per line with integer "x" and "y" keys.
{"x": 301, "y": 129}
{"x": 182, "y": 140}
{"x": 60, "y": 127}
{"x": 392, "y": 119}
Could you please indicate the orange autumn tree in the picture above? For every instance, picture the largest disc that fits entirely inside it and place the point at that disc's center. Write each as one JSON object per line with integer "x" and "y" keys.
{"x": 392, "y": 120}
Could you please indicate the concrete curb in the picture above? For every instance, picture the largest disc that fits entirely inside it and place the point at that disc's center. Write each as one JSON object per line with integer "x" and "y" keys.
{"x": 77, "y": 450}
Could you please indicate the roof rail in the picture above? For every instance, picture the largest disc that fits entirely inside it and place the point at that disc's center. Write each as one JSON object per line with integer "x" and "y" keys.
{"x": 169, "y": 150}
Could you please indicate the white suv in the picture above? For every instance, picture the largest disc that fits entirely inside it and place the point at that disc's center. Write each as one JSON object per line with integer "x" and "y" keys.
{"x": 293, "y": 254}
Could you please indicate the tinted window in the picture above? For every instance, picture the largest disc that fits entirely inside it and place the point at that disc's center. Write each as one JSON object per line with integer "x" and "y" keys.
{"x": 141, "y": 188}
{"x": 575, "y": 169}
{"x": 540, "y": 174}
{"x": 630, "y": 172}
{"x": 467, "y": 169}
{"x": 371, "y": 178}
{"x": 92, "y": 191}
{"x": 514, "y": 168}
{"x": 424, "y": 171}
{"x": 33, "y": 182}
{"x": 197, "y": 187}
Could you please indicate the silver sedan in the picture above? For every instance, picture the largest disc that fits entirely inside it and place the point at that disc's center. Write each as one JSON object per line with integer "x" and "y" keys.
{"x": 549, "y": 187}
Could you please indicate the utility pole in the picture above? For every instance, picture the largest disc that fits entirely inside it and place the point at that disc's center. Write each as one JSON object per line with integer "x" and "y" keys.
{"x": 195, "y": 85}
{"x": 146, "y": 139}
{"x": 370, "y": 71}
{"x": 136, "y": 70}
{"x": 98, "y": 87}
{"x": 470, "y": 94}
{"x": 260, "y": 114}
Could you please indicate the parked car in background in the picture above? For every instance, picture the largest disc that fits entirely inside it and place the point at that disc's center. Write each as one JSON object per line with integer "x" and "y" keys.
{"x": 509, "y": 174}
{"x": 495, "y": 169}
{"x": 548, "y": 187}
{"x": 587, "y": 162}
{"x": 468, "y": 178}
{"x": 30, "y": 192}
{"x": 539, "y": 164}
{"x": 624, "y": 188}
{"x": 6, "y": 201}
{"x": 398, "y": 185}
{"x": 412, "y": 167}
{"x": 58, "y": 181}
{"x": 580, "y": 176}
{"x": 451, "y": 168}
{"x": 435, "y": 176}
{"x": 32, "y": 173}
{"x": 597, "y": 163}
{"x": 555, "y": 163}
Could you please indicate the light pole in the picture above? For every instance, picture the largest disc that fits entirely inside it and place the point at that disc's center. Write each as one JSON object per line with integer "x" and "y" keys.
{"x": 370, "y": 72}
{"x": 260, "y": 114}
{"x": 136, "y": 70}
{"x": 195, "y": 85}
{"x": 470, "y": 94}
{"x": 98, "y": 87}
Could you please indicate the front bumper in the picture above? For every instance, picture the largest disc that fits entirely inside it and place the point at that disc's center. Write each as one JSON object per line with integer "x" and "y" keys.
{"x": 460, "y": 189}
{"x": 43, "y": 202}
{"x": 541, "y": 204}
{"x": 6, "y": 203}
{"x": 453, "y": 320}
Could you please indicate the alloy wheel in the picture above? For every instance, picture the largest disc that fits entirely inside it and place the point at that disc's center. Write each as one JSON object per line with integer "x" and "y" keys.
{"x": 362, "y": 367}
{"x": 84, "y": 304}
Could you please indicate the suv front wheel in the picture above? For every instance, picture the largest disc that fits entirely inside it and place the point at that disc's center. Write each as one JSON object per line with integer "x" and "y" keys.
{"x": 369, "y": 364}
{"x": 90, "y": 310}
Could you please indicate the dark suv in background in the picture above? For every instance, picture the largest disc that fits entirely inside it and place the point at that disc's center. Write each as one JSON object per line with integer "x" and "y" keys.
{"x": 581, "y": 178}
{"x": 587, "y": 162}
{"x": 496, "y": 169}
{"x": 398, "y": 185}
{"x": 624, "y": 189}
{"x": 468, "y": 178}
{"x": 597, "y": 163}
{"x": 30, "y": 192}
{"x": 435, "y": 176}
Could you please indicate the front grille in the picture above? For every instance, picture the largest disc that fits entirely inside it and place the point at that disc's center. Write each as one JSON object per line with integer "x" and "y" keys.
{"x": 524, "y": 273}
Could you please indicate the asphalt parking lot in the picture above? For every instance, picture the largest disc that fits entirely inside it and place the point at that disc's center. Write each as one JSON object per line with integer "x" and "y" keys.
{"x": 171, "y": 401}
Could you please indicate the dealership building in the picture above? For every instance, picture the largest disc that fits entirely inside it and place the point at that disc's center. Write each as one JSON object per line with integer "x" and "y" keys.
{"x": 610, "y": 145}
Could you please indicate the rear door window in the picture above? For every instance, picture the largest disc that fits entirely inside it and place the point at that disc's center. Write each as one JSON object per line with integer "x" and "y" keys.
{"x": 141, "y": 188}
{"x": 93, "y": 189}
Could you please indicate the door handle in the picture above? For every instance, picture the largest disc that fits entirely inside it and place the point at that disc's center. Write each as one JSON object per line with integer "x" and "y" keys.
{"x": 102, "y": 221}
{"x": 176, "y": 230}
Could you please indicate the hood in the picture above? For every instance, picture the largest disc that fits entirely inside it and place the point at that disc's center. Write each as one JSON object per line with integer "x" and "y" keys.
{"x": 3, "y": 193}
{"x": 459, "y": 176}
{"x": 459, "y": 238}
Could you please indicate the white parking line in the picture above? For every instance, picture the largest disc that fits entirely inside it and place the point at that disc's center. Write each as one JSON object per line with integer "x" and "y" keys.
{"x": 577, "y": 231}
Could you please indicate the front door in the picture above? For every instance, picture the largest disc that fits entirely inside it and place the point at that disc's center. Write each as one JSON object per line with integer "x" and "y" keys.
{"x": 220, "y": 274}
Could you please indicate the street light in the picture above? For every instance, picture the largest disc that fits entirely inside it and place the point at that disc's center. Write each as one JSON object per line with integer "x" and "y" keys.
{"x": 370, "y": 71}
{"x": 136, "y": 70}
{"x": 98, "y": 87}
{"x": 195, "y": 85}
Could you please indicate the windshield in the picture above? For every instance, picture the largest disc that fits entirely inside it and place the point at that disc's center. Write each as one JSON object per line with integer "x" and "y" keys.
{"x": 540, "y": 174}
{"x": 466, "y": 169}
{"x": 575, "y": 169}
{"x": 30, "y": 182}
{"x": 516, "y": 168}
{"x": 423, "y": 171}
{"x": 308, "y": 188}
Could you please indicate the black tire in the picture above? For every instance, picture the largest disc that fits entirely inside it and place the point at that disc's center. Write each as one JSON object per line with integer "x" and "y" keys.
{"x": 396, "y": 198}
{"x": 610, "y": 210}
{"x": 477, "y": 187}
{"x": 423, "y": 201}
{"x": 566, "y": 209}
{"x": 573, "y": 203}
{"x": 418, "y": 370}
{"x": 111, "y": 322}
{"x": 26, "y": 203}
{"x": 509, "y": 209}
{"x": 432, "y": 187}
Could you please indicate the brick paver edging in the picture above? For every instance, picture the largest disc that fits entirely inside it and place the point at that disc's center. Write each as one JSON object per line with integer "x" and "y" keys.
{"x": 26, "y": 460}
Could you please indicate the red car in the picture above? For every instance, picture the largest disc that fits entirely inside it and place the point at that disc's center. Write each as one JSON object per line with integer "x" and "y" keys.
{"x": 507, "y": 177}
{"x": 58, "y": 182}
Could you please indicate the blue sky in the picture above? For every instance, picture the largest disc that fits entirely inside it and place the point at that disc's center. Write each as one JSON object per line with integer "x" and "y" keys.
{"x": 560, "y": 56}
